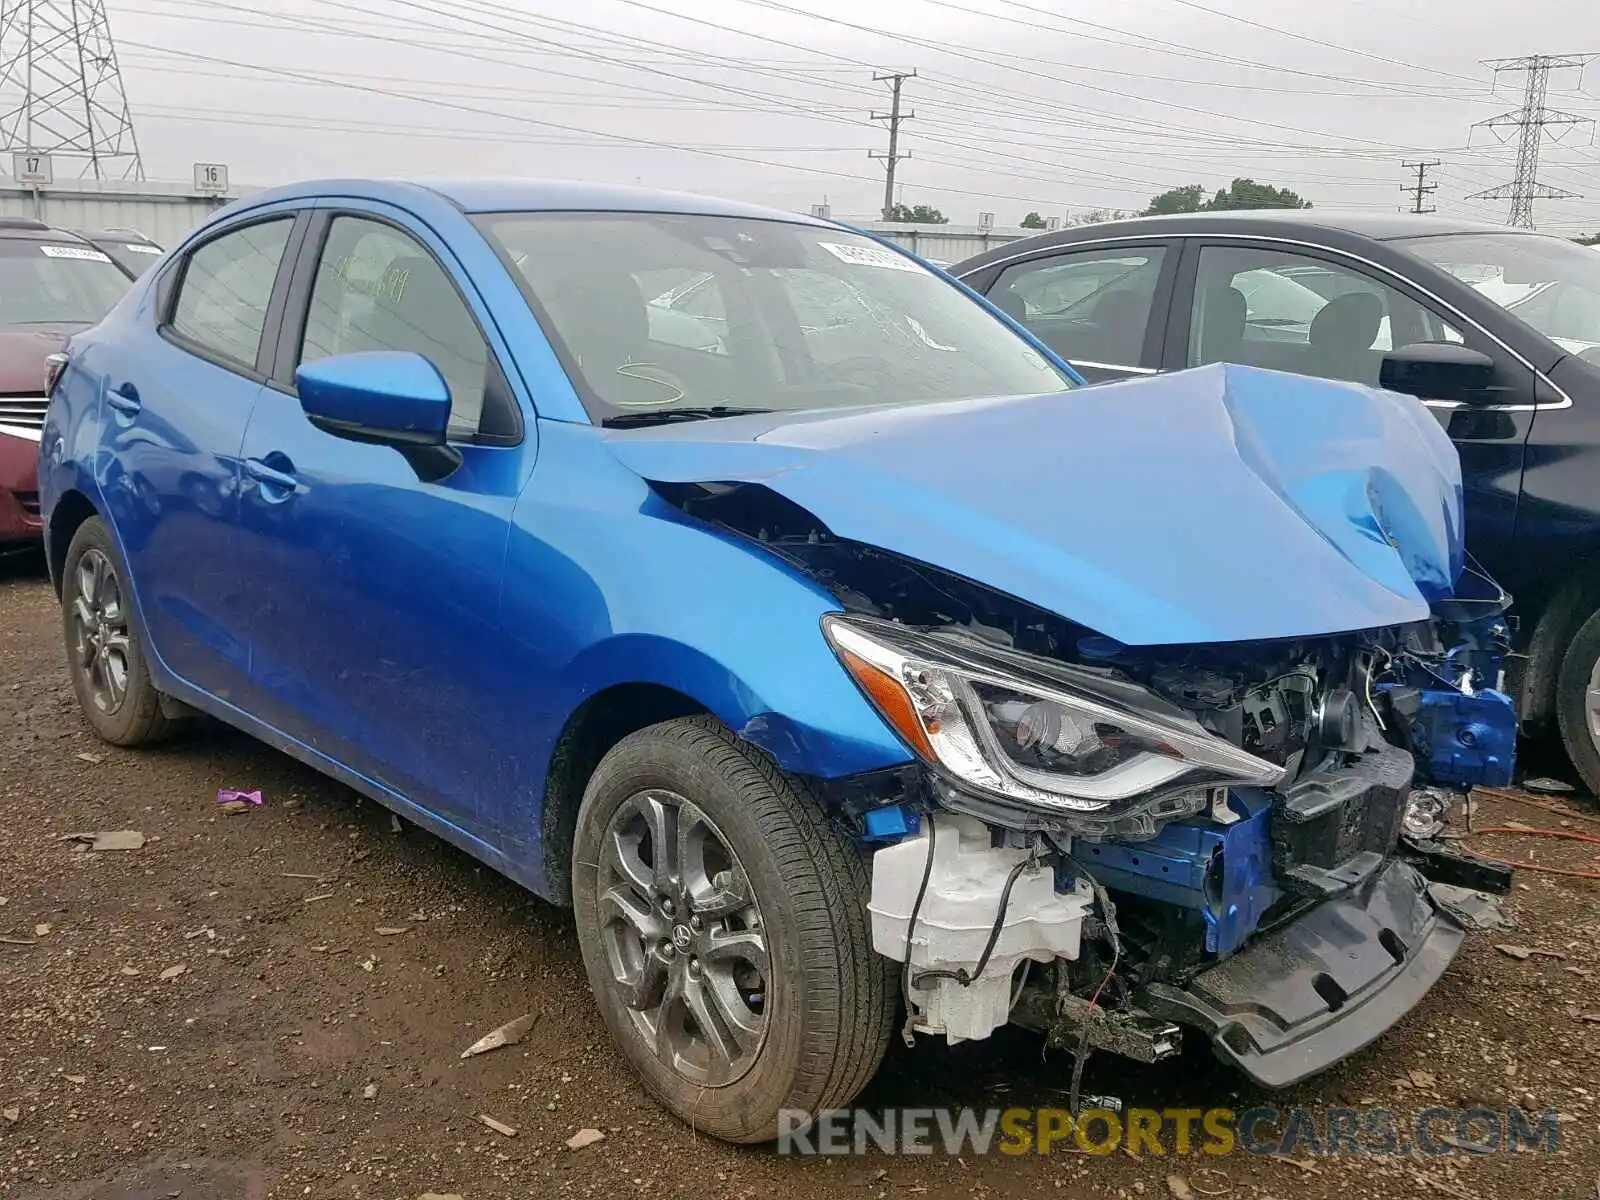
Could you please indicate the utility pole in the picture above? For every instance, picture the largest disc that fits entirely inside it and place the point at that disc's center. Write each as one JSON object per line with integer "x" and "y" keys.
{"x": 1530, "y": 121}
{"x": 1419, "y": 189}
{"x": 895, "y": 79}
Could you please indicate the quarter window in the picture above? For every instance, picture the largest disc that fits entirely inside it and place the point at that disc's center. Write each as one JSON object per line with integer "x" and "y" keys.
{"x": 377, "y": 288}
{"x": 1090, "y": 306}
{"x": 226, "y": 288}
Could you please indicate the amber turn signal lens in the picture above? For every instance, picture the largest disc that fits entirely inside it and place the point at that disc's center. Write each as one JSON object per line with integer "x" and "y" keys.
{"x": 892, "y": 701}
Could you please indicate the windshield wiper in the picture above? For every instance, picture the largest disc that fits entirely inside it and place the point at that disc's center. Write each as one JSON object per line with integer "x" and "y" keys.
{"x": 662, "y": 416}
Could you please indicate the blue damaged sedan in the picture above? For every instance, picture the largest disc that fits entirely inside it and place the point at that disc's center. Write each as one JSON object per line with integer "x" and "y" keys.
{"x": 800, "y": 621}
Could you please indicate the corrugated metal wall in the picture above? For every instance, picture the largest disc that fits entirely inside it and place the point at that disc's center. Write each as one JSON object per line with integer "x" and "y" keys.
{"x": 162, "y": 211}
{"x": 945, "y": 244}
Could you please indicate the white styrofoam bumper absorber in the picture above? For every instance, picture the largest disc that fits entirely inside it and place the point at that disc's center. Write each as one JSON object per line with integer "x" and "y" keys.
{"x": 957, "y": 915}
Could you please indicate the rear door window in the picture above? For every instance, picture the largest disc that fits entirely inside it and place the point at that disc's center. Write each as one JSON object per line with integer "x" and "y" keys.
{"x": 226, "y": 290}
{"x": 1289, "y": 311}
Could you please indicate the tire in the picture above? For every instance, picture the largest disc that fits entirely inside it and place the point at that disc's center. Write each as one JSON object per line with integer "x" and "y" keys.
{"x": 105, "y": 655}
{"x": 814, "y": 1026}
{"x": 1580, "y": 671}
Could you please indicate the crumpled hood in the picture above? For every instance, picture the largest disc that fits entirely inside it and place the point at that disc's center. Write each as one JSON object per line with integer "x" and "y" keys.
{"x": 1224, "y": 503}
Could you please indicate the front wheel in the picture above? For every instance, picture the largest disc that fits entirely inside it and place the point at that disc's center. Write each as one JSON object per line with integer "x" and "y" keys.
{"x": 723, "y": 924}
{"x": 1578, "y": 702}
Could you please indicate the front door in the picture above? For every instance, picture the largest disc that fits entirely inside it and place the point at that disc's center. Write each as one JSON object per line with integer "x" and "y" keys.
{"x": 377, "y": 575}
{"x": 1318, "y": 313}
{"x": 174, "y": 420}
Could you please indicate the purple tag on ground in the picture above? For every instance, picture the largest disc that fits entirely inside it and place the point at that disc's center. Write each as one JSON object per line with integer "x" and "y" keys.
{"x": 224, "y": 795}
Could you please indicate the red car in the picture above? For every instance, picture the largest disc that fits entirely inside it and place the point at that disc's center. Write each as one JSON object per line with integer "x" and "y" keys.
{"x": 52, "y": 284}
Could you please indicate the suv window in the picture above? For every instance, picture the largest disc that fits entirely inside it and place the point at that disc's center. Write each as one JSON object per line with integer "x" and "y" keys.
{"x": 1089, "y": 306}
{"x": 377, "y": 288}
{"x": 1309, "y": 316}
{"x": 226, "y": 288}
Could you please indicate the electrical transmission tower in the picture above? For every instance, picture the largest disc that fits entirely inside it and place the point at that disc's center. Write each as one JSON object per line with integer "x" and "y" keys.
{"x": 893, "y": 117}
{"x": 1420, "y": 188}
{"x": 1530, "y": 121}
{"x": 61, "y": 90}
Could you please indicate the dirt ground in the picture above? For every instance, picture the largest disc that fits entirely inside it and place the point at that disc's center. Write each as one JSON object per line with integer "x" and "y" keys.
{"x": 274, "y": 1004}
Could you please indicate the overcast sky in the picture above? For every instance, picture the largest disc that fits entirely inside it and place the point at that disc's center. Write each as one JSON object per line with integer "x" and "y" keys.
{"x": 1020, "y": 104}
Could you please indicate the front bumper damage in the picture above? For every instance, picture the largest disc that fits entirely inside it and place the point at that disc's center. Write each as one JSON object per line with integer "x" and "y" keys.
{"x": 1300, "y": 998}
{"x": 1317, "y": 925}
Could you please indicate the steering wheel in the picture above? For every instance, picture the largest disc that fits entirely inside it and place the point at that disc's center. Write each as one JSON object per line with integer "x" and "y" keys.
{"x": 1592, "y": 354}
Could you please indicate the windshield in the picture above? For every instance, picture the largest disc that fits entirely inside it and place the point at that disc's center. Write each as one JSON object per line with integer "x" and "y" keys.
{"x": 1549, "y": 282}
{"x": 659, "y": 312}
{"x": 46, "y": 284}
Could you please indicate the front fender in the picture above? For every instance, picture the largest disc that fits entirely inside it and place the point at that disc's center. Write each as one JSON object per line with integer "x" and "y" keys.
{"x": 607, "y": 584}
{"x": 791, "y": 699}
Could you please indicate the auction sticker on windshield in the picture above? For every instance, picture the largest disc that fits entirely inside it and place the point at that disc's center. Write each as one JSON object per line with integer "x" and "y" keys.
{"x": 74, "y": 252}
{"x": 871, "y": 256}
{"x": 140, "y": 248}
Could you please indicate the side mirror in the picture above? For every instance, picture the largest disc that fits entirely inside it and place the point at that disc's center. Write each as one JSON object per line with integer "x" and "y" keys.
{"x": 389, "y": 397}
{"x": 1440, "y": 371}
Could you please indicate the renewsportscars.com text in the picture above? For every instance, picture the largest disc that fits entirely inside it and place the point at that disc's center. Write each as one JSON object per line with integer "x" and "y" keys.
{"x": 1211, "y": 1131}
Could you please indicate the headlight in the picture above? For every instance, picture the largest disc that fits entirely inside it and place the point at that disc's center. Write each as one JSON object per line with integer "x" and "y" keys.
{"x": 1072, "y": 745}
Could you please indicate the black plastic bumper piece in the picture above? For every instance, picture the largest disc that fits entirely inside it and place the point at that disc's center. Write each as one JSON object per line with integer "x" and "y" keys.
{"x": 1446, "y": 863}
{"x": 1302, "y": 997}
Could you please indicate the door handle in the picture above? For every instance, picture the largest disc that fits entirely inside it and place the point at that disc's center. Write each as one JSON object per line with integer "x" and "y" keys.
{"x": 276, "y": 485}
{"x": 124, "y": 398}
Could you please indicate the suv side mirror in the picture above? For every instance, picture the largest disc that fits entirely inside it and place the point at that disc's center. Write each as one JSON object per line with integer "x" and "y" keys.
{"x": 388, "y": 397}
{"x": 1440, "y": 371}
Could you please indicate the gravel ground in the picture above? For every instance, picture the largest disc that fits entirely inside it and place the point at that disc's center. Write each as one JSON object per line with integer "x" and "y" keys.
{"x": 274, "y": 1004}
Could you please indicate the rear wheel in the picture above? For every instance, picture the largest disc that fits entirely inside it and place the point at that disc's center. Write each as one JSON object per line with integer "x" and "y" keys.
{"x": 104, "y": 653}
{"x": 723, "y": 924}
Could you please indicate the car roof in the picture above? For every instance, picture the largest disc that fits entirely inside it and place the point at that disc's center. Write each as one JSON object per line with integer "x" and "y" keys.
{"x": 115, "y": 235}
{"x": 1380, "y": 226}
{"x": 29, "y": 230}
{"x": 530, "y": 195}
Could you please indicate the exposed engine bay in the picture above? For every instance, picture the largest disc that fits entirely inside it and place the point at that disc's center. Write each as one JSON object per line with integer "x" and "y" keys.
{"x": 1112, "y": 843}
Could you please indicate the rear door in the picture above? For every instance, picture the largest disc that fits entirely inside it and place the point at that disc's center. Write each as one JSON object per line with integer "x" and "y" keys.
{"x": 377, "y": 573}
{"x": 1101, "y": 306}
{"x": 1317, "y": 311}
{"x": 176, "y": 401}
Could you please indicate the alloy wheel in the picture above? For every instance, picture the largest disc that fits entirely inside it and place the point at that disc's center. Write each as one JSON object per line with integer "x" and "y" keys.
{"x": 101, "y": 641}
{"x": 683, "y": 937}
{"x": 1592, "y": 704}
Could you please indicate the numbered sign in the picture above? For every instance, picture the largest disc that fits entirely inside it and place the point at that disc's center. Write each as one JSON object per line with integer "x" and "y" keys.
{"x": 33, "y": 169}
{"x": 211, "y": 178}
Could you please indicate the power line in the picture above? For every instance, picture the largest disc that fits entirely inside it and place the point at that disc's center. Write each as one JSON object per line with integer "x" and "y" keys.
{"x": 1530, "y": 121}
{"x": 1300, "y": 37}
{"x": 612, "y": 138}
{"x": 1419, "y": 189}
{"x": 892, "y": 156}
{"x": 1177, "y": 49}
{"x": 509, "y": 37}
